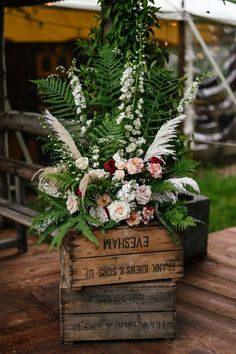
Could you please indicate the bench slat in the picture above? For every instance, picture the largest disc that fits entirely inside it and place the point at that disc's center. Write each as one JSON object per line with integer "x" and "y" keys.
{"x": 8, "y": 243}
{"x": 19, "y": 208}
{"x": 16, "y": 216}
{"x": 18, "y": 168}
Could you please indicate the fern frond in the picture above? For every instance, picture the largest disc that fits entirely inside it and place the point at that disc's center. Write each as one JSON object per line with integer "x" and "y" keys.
{"x": 184, "y": 167}
{"x": 107, "y": 69}
{"x": 161, "y": 97}
{"x": 177, "y": 216}
{"x": 57, "y": 94}
{"x": 63, "y": 181}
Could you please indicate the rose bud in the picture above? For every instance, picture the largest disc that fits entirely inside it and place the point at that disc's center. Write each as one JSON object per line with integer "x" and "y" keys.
{"x": 156, "y": 159}
{"x": 78, "y": 192}
{"x": 110, "y": 166}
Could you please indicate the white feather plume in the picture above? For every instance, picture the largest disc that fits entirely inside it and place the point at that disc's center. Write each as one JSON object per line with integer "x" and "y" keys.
{"x": 180, "y": 185}
{"x": 169, "y": 197}
{"x": 62, "y": 134}
{"x": 162, "y": 143}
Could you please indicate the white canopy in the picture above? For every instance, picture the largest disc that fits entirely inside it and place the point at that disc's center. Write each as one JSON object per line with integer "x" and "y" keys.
{"x": 212, "y": 10}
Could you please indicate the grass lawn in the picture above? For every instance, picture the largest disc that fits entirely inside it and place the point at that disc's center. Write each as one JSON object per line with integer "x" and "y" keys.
{"x": 222, "y": 192}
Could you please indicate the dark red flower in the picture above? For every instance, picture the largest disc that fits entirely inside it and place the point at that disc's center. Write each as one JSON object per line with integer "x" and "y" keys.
{"x": 155, "y": 159}
{"x": 78, "y": 192}
{"x": 109, "y": 166}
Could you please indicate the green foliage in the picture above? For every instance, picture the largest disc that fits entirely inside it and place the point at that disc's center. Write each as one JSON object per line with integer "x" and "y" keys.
{"x": 176, "y": 215}
{"x": 220, "y": 189}
{"x": 128, "y": 17}
{"x": 108, "y": 127}
{"x": 162, "y": 95}
{"x": 162, "y": 187}
{"x": 119, "y": 23}
{"x": 184, "y": 167}
{"x": 57, "y": 94}
{"x": 55, "y": 222}
{"x": 107, "y": 72}
{"x": 63, "y": 180}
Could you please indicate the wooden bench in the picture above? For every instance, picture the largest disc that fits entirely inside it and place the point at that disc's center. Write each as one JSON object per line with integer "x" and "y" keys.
{"x": 16, "y": 174}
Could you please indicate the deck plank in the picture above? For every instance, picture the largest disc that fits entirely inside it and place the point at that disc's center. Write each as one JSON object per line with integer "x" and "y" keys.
{"x": 206, "y": 305}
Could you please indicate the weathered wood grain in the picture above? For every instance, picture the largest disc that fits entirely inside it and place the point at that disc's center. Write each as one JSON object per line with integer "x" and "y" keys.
{"x": 125, "y": 255}
{"x": 118, "y": 326}
{"x": 126, "y": 268}
{"x": 22, "y": 121}
{"x": 146, "y": 296}
{"x": 18, "y": 168}
{"x": 123, "y": 240}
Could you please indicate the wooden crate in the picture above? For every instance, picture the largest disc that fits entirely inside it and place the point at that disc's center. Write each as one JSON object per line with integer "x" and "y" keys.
{"x": 125, "y": 311}
{"x": 124, "y": 255}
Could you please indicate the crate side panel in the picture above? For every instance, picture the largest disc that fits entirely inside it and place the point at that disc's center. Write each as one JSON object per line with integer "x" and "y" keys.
{"x": 123, "y": 240}
{"x": 113, "y": 326}
{"x": 127, "y": 268}
{"x": 134, "y": 297}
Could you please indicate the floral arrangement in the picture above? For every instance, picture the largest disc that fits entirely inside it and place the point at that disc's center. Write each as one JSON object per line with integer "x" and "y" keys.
{"x": 119, "y": 158}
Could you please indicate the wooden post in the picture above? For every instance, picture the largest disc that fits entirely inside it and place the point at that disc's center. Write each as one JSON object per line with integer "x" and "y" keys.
{"x": 3, "y": 189}
{"x": 181, "y": 62}
{"x": 2, "y": 88}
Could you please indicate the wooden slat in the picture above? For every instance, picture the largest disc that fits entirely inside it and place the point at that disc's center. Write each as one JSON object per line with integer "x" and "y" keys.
{"x": 118, "y": 326}
{"x": 14, "y": 215}
{"x": 25, "y": 122}
{"x": 8, "y": 243}
{"x": 211, "y": 283}
{"x": 219, "y": 304}
{"x": 18, "y": 168}
{"x": 127, "y": 268}
{"x": 134, "y": 297}
{"x": 123, "y": 240}
{"x": 19, "y": 208}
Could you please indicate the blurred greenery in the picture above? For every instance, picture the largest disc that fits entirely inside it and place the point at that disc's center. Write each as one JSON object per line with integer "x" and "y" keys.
{"x": 222, "y": 191}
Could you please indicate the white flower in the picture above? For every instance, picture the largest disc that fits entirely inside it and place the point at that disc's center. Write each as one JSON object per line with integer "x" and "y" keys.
{"x": 143, "y": 194}
{"x": 100, "y": 214}
{"x": 82, "y": 163}
{"x": 119, "y": 162}
{"x": 119, "y": 211}
{"x": 119, "y": 175}
{"x": 128, "y": 191}
{"x": 72, "y": 203}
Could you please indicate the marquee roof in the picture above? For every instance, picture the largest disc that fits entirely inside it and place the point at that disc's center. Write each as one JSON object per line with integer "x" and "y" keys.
{"x": 212, "y": 10}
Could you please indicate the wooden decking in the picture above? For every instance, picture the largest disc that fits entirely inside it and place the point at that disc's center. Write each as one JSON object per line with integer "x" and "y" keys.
{"x": 206, "y": 305}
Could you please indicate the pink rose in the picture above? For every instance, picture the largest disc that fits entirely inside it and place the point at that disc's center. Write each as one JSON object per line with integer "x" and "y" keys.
{"x": 143, "y": 194}
{"x": 134, "y": 165}
{"x": 119, "y": 175}
{"x": 155, "y": 169}
{"x": 72, "y": 204}
{"x": 134, "y": 219}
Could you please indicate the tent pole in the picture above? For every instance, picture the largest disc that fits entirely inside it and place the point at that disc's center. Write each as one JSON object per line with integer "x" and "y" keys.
{"x": 211, "y": 59}
{"x": 182, "y": 48}
{"x": 182, "y": 45}
{"x": 189, "y": 122}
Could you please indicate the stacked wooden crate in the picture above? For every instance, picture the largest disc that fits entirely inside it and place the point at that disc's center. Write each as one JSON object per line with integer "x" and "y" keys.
{"x": 123, "y": 289}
